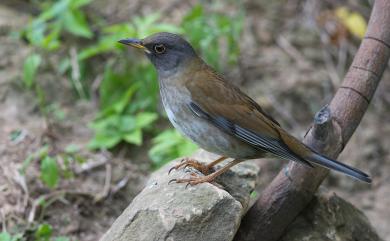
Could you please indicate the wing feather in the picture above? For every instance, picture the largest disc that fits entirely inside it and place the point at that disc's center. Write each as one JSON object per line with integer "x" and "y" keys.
{"x": 264, "y": 143}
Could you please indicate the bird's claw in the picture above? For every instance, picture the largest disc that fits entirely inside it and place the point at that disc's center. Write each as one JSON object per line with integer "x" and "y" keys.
{"x": 172, "y": 168}
{"x": 187, "y": 162}
{"x": 172, "y": 180}
{"x": 193, "y": 180}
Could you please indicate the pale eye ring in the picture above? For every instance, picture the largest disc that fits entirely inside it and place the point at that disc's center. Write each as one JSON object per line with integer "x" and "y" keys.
{"x": 159, "y": 48}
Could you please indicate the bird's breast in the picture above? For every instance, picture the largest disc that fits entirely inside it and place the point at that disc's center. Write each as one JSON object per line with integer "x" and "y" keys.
{"x": 206, "y": 135}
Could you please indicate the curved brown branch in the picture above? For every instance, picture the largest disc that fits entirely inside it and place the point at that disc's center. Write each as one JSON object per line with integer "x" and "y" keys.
{"x": 283, "y": 199}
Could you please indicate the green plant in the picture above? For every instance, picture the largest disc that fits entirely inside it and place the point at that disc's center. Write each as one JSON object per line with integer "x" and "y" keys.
{"x": 128, "y": 95}
{"x": 123, "y": 116}
{"x": 168, "y": 145}
{"x": 129, "y": 90}
{"x": 44, "y": 232}
{"x": 117, "y": 124}
{"x": 30, "y": 68}
{"x": 48, "y": 166}
{"x": 207, "y": 31}
{"x": 50, "y": 170}
{"x": 5, "y": 236}
{"x": 47, "y": 30}
{"x": 63, "y": 15}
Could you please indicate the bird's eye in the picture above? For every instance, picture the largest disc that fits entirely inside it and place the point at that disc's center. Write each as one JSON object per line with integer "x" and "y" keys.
{"x": 159, "y": 48}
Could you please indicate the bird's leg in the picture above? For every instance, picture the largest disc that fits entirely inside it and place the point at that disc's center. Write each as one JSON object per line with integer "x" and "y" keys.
{"x": 209, "y": 178}
{"x": 203, "y": 168}
{"x": 213, "y": 163}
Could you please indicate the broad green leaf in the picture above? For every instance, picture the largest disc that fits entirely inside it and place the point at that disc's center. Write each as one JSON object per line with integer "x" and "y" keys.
{"x": 116, "y": 91}
{"x": 168, "y": 145}
{"x": 102, "y": 141}
{"x": 125, "y": 100}
{"x": 51, "y": 41}
{"x": 127, "y": 123}
{"x": 134, "y": 137}
{"x": 145, "y": 118}
{"x": 43, "y": 232}
{"x": 109, "y": 123}
{"x": 76, "y": 23}
{"x": 30, "y": 68}
{"x": 35, "y": 32}
{"x": 49, "y": 172}
{"x": 56, "y": 10}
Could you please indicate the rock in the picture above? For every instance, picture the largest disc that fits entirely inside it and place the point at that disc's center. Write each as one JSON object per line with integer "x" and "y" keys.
{"x": 173, "y": 212}
{"x": 329, "y": 217}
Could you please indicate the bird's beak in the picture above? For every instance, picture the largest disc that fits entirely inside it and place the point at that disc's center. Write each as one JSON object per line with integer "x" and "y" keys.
{"x": 136, "y": 43}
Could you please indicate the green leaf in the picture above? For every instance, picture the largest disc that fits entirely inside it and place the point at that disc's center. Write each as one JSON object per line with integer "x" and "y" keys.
{"x": 195, "y": 13}
{"x": 126, "y": 123}
{"x": 55, "y": 10}
{"x": 79, "y": 3}
{"x": 145, "y": 118}
{"x": 134, "y": 137}
{"x": 40, "y": 153}
{"x": 43, "y": 232}
{"x": 116, "y": 91}
{"x": 51, "y": 41}
{"x": 104, "y": 141}
{"x": 4, "y": 236}
{"x": 30, "y": 67}
{"x": 76, "y": 23}
{"x": 168, "y": 145}
{"x": 49, "y": 171}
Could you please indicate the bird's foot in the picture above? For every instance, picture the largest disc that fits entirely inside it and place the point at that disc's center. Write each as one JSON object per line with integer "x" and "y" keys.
{"x": 188, "y": 162}
{"x": 194, "y": 180}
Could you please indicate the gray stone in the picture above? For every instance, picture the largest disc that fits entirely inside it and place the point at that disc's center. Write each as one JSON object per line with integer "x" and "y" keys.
{"x": 329, "y": 217}
{"x": 200, "y": 212}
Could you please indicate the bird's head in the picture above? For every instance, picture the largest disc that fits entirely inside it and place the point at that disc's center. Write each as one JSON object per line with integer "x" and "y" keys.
{"x": 167, "y": 51}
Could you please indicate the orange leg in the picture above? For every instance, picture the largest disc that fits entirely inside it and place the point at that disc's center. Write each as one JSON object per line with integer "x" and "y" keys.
{"x": 209, "y": 178}
{"x": 203, "y": 168}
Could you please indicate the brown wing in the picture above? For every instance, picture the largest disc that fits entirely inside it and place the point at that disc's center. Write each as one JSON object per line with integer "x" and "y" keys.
{"x": 236, "y": 113}
{"x": 221, "y": 98}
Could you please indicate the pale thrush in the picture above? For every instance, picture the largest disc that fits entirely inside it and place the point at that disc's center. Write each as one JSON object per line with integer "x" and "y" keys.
{"x": 218, "y": 116}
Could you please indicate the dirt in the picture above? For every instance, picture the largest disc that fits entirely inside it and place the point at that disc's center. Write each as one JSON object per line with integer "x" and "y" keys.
{"x": 281, "y": 65}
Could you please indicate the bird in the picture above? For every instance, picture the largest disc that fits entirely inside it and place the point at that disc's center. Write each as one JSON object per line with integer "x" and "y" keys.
{"x": 203, "y": 106}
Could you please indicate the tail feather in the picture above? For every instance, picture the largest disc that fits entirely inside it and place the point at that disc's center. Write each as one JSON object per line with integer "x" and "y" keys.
{"x": 338, "y": 166}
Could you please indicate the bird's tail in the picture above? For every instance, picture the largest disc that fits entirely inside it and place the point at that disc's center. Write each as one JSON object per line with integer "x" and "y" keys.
{"x": 338, "y": 166}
